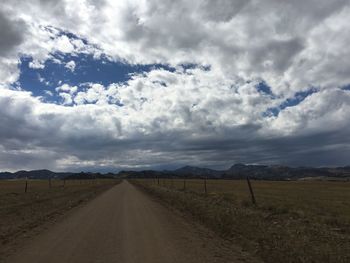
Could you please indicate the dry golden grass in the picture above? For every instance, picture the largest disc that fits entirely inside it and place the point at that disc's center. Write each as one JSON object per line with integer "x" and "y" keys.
{"x": 23, "y": 214}
{"x": 297, "y": 221}
{"x": 318, "y": 198}
{"x": 18, "y": 186}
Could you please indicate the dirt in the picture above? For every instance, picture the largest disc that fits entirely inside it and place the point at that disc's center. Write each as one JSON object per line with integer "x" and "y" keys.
{"x": 25, "y": 215}
{"x": 126, "y": 225}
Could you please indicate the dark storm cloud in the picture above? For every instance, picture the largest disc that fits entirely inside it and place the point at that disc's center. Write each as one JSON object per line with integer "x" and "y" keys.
{"x": 11, "y": 34}
{"x": 186, "y": 115}
{"x": 222, "y": 10}
{"x": 279, "y": 52}
{"x": 80, "y": 139}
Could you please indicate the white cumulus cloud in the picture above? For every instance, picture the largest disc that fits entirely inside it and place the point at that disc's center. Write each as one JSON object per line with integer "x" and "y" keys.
{"x": 71, "y": 65}
{"x": 211, "y": 113}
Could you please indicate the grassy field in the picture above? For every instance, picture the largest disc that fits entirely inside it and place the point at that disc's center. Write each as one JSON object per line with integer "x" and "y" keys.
{"x": 18, "y": 186}
{"x": 296, "y": 221}
{"x": 25, "y": 214}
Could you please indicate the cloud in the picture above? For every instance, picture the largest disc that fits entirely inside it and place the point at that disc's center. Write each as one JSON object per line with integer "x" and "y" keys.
{"x": 66, "y": 92}
{"x": 211, "y": 113}
{"x": 12, "y": 34}
{"x": 166, "y": 126}
{"x": 309, "y": 117}
{"x": 48, "y": 92}
{"x": 71, "y": 65}
{"x": 35, "y": 64}
{"x": 66, "y": 88}
{"x": 284, "y": 47}
{"x": 222, "y": 10}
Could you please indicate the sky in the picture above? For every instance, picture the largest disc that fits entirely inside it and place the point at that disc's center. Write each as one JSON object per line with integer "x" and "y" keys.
{"x": 104, "y": 85}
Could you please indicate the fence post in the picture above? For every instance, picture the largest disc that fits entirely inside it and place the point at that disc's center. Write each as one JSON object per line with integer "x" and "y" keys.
{"x": 205, "y": 186}
{"x": 64, "y": 183}
{"x": 158, "y": 180}
{"x": 26, "y": 187}
{"x": 251, "y": 191}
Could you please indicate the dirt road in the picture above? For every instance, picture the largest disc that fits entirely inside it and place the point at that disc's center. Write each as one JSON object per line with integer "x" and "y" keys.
{"x": 125, "y": 225}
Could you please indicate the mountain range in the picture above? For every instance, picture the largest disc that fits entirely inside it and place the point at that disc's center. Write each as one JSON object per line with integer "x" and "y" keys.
{"x": 237, "y": 171}
{"x": 47, "y": 174}
{"x": 242, "y": 171}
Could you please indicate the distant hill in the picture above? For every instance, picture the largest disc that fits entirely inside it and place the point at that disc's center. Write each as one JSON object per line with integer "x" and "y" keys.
{"x": 236, "y": 171}
{"x": 274, "y": 172}
{"x": 78, "y": 176}
{"x": 36, "y": 174}
{"x": 47, "y": 174}
{"x": 6, "y": 175}
{"x": 144, "y": 174}
{"x": 192, "y": 171}
{"x": 242, "y": 171}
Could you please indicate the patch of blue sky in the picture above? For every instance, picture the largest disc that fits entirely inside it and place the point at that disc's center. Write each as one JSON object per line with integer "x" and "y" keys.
{"x": 290, "y": 102}
{"x": 43, "y": 82}
{"x": 262, "y": 87}
{"x": 347, "y": 87}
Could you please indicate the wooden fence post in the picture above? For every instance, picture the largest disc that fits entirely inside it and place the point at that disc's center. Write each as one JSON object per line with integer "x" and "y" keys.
{"x": 251, "y": 191}
{"x": 158, "y": 180}
{"x": 205, "y": 186}
{"x": 26, "y": 187}
{"x": 64, "y": 183}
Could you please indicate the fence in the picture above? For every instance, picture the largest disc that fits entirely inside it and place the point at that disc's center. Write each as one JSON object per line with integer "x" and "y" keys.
{"x": 204, "y": 185}
{"x": 28, "y": 185}
{"x": 310, "y": 196}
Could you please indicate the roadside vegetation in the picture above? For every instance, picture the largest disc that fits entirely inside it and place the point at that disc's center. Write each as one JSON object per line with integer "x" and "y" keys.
{"x": 292, "y": 221}
{"x": 23, "y": 214}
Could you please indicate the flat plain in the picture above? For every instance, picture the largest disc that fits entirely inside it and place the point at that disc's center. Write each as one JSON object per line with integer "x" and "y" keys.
{"x": 23, "y": 215}
{"x": 292, "y": 221}
{"x": 174, "y": 220}
{"x": 125, "y": 225}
